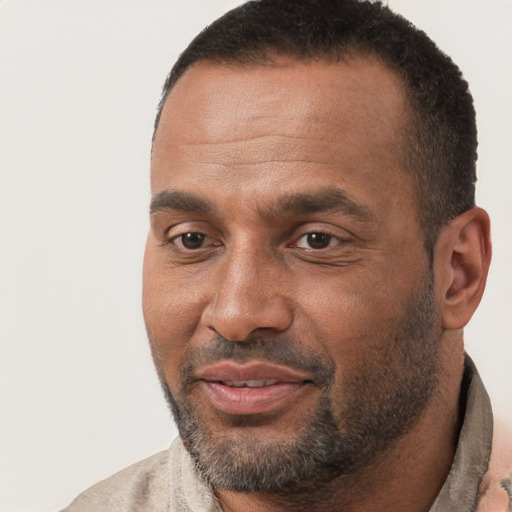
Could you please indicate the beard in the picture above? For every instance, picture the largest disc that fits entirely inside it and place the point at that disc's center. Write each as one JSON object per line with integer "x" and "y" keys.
{"x": 355, "y": 421}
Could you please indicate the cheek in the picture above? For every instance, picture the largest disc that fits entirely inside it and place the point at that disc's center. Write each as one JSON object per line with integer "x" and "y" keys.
{"x": 172, "y": 312}
{"x": 349, "y": 316}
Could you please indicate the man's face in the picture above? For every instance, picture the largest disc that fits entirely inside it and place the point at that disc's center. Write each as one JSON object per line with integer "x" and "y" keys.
{"x": 287, "y": 295}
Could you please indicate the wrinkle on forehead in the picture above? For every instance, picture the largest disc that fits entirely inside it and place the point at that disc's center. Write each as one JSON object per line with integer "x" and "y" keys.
{"x": 269, "y": 149}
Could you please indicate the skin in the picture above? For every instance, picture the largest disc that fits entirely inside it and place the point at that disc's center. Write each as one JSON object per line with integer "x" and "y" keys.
{"x": 242, "y": 139}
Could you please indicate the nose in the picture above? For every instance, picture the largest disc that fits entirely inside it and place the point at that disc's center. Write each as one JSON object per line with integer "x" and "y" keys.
{"x": 248, "y": 297}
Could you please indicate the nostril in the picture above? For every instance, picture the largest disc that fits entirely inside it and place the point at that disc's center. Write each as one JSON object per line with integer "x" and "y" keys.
{"x": 237, "y": 313}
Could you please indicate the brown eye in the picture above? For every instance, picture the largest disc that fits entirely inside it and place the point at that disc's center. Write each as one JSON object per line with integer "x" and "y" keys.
{"x": 315, "y": 241}
{"x": 192, "y": 240}
{"x": 318, "y": 240}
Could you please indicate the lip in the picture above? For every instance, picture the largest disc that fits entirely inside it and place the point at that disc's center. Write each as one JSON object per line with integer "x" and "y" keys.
{"x": 286, "y": 383}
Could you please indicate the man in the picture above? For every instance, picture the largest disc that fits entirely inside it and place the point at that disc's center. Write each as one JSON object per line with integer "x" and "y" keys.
{"x": 314, "y": 254}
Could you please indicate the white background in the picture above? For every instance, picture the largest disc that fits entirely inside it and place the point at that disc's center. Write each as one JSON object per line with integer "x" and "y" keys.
{"x": 79, "y": 83}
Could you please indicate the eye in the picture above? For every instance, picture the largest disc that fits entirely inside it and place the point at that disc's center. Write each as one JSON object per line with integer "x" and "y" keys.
{"x": 190, "y": 241}
{"x": 316, "y": 241}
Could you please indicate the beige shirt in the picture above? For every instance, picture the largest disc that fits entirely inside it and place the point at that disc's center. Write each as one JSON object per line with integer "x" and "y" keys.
{"x": 168, "y": 482}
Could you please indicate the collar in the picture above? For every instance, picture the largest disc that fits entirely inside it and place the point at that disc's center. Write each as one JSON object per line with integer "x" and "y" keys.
{"x": 460, "y": 490}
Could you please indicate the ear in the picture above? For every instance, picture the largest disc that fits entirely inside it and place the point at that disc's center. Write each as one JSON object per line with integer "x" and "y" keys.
{"x": 461, "y": 261}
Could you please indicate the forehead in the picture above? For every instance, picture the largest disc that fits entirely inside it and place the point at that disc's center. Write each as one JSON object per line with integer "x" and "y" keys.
{"x": 285, "y": 124}
{"x": 317, "y": 89}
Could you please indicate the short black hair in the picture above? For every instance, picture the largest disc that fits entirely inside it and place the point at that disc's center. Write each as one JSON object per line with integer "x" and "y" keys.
{"x": 440, "y": 143}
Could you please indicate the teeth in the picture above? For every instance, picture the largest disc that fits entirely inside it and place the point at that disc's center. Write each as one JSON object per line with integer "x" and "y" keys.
{"x": 248, "y": 383}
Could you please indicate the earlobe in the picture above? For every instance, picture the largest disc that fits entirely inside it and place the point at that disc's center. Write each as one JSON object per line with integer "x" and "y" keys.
{"x": 461, "y": 263}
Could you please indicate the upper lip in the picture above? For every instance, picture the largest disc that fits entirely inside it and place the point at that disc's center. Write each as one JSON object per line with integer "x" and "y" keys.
{"x": 230, "y": 371}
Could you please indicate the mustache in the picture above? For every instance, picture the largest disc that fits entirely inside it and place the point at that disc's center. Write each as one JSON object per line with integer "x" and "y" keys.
{"x": 279, "y": 351}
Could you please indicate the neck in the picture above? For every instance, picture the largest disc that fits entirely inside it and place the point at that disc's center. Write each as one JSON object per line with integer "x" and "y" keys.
{"x": 407, "y": 477}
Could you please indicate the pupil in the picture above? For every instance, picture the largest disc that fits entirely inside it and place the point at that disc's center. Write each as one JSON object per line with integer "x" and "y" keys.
{"x": 318, "y": 240}
{"x": 192, "y": 240}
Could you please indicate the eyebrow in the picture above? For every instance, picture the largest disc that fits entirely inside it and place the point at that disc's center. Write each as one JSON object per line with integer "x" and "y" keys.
{"x": 322, "y": 200}
{"x": 180, "y": 201}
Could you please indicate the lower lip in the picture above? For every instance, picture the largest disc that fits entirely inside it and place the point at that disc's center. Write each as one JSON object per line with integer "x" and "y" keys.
{"x": 251, "y": 400}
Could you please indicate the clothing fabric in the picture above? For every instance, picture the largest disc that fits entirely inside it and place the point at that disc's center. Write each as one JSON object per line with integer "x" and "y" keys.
{"x": 168, "y": 482}
{"x": 465, "y": 488}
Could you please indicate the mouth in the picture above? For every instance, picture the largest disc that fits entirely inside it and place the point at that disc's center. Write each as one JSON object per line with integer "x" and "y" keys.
{"x": 248, "y": 383}
{"x": 252, "y": 388}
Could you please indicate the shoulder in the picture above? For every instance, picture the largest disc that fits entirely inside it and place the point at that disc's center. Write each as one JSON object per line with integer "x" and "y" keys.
{"x": 166, "y": 481}
{"x": 141, "y": 486}
{"x": 495, "y": 494}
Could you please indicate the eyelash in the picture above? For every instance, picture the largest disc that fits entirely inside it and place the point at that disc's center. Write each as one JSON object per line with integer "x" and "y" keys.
{"x": 324, "y": 238}
{"x": 173, "y": 240}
